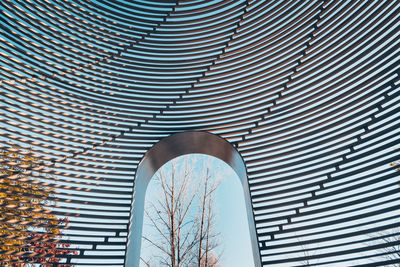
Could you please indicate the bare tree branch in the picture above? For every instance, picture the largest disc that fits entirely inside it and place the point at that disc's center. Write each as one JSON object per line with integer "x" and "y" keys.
{"x": 183, "y": 217}
{"x": 157, "y": 246}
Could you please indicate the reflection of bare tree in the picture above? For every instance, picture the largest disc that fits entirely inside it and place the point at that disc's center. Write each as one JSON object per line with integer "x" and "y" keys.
{"x": 183, "y": 217}
{"x": 306, "y": 261}
{"x": 391, "y": 239}
{"x": 306, "y": 253}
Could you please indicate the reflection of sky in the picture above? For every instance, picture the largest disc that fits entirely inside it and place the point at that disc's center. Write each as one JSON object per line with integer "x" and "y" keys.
{"x": 230, "y": 209}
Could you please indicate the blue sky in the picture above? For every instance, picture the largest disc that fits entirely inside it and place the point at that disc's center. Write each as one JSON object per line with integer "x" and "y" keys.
{"x": 230, "y": 208}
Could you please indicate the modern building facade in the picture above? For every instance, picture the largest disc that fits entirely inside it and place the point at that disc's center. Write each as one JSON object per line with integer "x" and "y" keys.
{"x": 305, "y": 93}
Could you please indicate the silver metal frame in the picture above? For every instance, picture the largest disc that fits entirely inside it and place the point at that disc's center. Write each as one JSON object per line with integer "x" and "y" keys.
{"x": 176, "y": 145}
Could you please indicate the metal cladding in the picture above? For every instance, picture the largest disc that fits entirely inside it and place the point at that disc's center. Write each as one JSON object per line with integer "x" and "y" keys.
{"x": 307, "y": 91}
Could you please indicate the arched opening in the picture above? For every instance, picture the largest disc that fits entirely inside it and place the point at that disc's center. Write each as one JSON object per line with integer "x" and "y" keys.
{"x": 224, "y": 213}
{"x": 167, "y": 149}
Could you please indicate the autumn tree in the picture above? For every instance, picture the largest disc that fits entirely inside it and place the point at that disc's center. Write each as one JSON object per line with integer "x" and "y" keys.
{"x": 30, "y": 233}
{"x": 183, "y": 217}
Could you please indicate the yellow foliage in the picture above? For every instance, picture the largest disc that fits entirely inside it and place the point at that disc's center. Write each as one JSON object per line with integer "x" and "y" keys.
{"x": 22, "y": 204}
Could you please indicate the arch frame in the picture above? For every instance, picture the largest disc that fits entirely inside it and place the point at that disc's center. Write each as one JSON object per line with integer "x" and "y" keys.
{"x": 166, "y": 149}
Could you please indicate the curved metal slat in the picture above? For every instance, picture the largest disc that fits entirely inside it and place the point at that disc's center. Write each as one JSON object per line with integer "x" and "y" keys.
{"x": 307, "y": 91}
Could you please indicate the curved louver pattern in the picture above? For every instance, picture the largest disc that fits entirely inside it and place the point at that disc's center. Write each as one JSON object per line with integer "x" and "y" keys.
{"x": 307, "y": 91}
